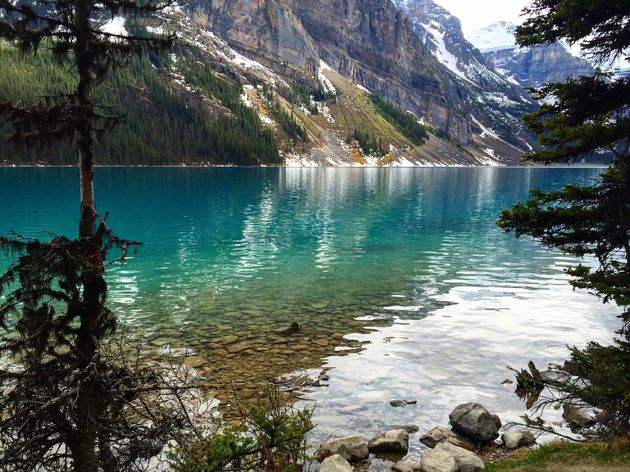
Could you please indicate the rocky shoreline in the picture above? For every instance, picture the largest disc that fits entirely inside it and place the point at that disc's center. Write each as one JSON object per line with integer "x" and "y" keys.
{"x": 474, "y": 434}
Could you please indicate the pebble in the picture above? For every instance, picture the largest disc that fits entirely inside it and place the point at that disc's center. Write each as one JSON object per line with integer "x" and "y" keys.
{"x": 219, "y": 352}
{"x": 195, "y": 361}
{"x": 229, "y": 340}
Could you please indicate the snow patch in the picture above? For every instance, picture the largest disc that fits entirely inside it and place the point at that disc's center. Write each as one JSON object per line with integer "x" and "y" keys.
{"x": 265, "y": 119}
{"x": 155, "y": 29}
{"x": 485, "y": 131}
{"x": 442, "y": 53}
{"x": 115, "y": 26}
{"x": 295, "y": 160}
{"x": 328, "y": 86}
{"x": 245, "y": 98}
{"x": 496, "y": 37}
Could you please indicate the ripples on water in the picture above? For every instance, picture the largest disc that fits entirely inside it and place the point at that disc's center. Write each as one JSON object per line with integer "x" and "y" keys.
{"x": 250, "y": 250}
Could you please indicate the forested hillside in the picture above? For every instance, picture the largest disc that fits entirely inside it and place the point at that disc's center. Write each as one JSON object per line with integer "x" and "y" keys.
{"x": 161, "y": 123}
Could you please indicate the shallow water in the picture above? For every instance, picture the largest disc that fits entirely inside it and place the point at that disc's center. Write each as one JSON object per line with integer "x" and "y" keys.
{"x": 245, "y": 252}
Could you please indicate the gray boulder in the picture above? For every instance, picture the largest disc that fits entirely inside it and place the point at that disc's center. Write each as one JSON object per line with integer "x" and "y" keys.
{"x": 515, "y": 438}
{"x": 410, "y": 428}
{"x": 578, "y": 417}
{"x": 551, "y": 376}
{"x": 448, "y": 458}
{"x": 439, "y": 435}
{"x": 409, "y": 464}
{"x": 475, "y": 422}
{"x": 335, "y": 463}
{"x": 352, "y": 449}
{"x": 395, "y": 441}
{"x": 438, "y": 460}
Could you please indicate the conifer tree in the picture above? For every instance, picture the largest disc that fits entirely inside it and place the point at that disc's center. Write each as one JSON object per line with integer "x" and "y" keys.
{"x": 62, "y": 401}
{"x": 579, "y": 117}
{"x": 583, "y": 116}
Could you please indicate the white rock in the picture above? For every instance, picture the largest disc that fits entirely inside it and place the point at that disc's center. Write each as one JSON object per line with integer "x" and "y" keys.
{"x": 409, "y": 464}
{"x": 352, "y": 449}
{"x": 335, "y": 463}
{"x": 440, "y": 434}
{"x": 438, "y": 460}
{"x": 446, "y": 457}
{"x": 395, "y": 441}
{"x": 515, "y": 438}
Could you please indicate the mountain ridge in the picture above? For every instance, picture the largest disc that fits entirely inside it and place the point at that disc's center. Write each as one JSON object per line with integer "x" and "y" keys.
{"x": 287, "y": 56}
{"x": 531, "y": 66}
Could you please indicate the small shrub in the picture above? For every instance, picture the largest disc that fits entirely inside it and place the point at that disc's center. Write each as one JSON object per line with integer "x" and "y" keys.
{"x": 272, "y": 437}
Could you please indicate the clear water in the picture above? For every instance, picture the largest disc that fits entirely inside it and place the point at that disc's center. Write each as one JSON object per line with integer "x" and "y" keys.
{"x": 246, "y": 252}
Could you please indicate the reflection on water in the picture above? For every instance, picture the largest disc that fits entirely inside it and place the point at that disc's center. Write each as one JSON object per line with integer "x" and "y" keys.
{"x": 245, "y": 252}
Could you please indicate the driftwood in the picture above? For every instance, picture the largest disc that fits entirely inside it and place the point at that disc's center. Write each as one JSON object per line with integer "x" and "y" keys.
{"x": 529, "y": 385}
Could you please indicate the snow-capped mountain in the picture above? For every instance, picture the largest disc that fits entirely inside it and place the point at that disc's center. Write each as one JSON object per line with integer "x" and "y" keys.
{"x": 494, "y": 37}
{"x": 531, "y": 66}
{"x": 490, "y": 96}
{"x": 441, "y": 33}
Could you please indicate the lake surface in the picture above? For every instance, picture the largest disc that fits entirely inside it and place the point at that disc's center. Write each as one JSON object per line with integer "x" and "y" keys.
{"x": 406, "y": 264}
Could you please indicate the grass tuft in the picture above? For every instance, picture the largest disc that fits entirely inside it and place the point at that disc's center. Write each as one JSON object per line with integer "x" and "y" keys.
{"x": 562, "y": 455}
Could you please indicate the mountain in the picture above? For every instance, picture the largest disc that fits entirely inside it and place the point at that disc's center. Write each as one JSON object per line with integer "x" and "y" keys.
{"x": 493, "y": 102}
{"x": 324, "y": 82}
{"x": 378, "y": 45}
{"x": 531, "y": 66}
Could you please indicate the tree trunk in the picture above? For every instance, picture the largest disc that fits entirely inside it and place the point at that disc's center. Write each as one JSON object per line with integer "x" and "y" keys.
{"x": 87, "y": 343}
{"x": 85, "y": 457}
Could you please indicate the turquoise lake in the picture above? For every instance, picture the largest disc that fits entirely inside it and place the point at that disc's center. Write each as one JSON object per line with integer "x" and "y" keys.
{"x": 401, "y": 270}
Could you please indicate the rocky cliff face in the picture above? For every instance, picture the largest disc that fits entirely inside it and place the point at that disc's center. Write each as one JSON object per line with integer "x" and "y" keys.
{"x": 377, "y": 44}
{"x": 530, "y": 66}
{"x": 488, "y": 97}
{"x": 374, "y": 44}
{"x": 265, "y": 29}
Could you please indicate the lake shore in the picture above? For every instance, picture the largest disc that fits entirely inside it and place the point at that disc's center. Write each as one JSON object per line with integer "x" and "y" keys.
{"x": 357, "y": 166}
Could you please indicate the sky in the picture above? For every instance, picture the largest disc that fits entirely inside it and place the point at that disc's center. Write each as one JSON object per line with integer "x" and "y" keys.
{"x": 477, "y": 14}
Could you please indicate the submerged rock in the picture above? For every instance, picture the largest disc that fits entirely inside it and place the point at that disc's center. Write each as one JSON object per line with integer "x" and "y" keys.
{"x": 351, "y": 448}
{"x": 474, "y": 421}
{"x": 219, "y": 352}
{"x": 195, "y": 361}
{"x": 238, "y": 347}
{"x": 515, "y": 438}
{"x": 395, "y": 441}
{"x": 449, "y": 458}
{"x": 229, "y": 340}
{"x": 335, "y": 463}
{"x": 409, "y": 464}
{"x": 410, "y": 428}
{"x": 294, "y": 328}
{"x": 439, "y": 435}
{"x": 401, "y": 403}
